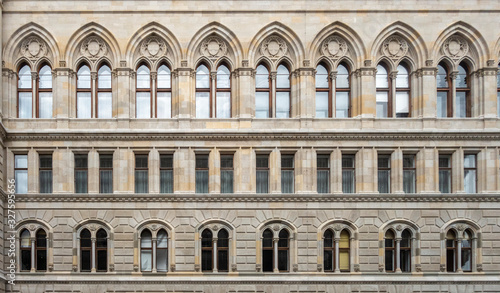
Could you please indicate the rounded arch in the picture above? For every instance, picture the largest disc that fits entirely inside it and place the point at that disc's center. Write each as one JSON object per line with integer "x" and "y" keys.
{"x": 478, "y": 48}
{"x": 72, "y": 52}
{"x": 398, "y": 226}
{"x": 93, "y": 226}
{"x": 154, "y": 226}
{"x": 340, "y": 29}
{"x": 496, "y": 52}
{"x": 234, "y": 52}
{"x": 33, "y": 225}
{"x": 276, "y": 226}
{"x": 154, "y": 29}
{"x": 417, "y": 49}
{"x": 461, "y": 225}
{"x": 215, "y": 225}
{"x": 288, "y": 35}
{"x": 337, "y": 226}
{"x": 12, "y": 47}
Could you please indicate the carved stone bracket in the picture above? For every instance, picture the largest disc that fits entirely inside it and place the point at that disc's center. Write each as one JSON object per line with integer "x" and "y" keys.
{"x": 319, "y": 268}
{"x": 172, "y": 268}
{"x": 258, "y": 267}
{"x": 381, "y": 267}
{"x": 234, "y": 267}
{"x": 442, "y": 268}
{"x": 295, "y": 267}
{"x": 418, "y": 268}
{"x": 357, "y": 268}
{"x": 75, "y": 268}
{"x": 197, "y": 267}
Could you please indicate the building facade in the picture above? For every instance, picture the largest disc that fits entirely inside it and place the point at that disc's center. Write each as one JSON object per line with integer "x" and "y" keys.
{"x": 250, "y": 146}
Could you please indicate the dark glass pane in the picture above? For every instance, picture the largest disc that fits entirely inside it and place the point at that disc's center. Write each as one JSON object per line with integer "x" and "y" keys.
{"x": 202, "y": 161}
{"x": 384, "y": 162}
{"x": 41, "y": 242}
{"x": 222, "y": 260}
{"x": 444, "y": 162}
{"x": 444, "y": 181}
{"x": 405, "y": 259}
{"x": 323, "y": 179}
{"x": 328, "y": 242}
{"x": 101, "y": 236}
{"x": 161, "y": 260}
{"x": 102, "y": 260}
{"x": 222, "y": 238}
{"x": 106, "y": 184}
{"x": 226, "y": 161}
{"x": 45, "y": 161}
{"x": 347, "y": 162}
{"x": 408, "y": 161}
{"x": 45, "y": 181}
{"x": 81, "y": 161}
{"x": 262, "y": 181}
{"x": 389, "y": 260}
{"x": 287, "y": 161}
{"x": 328, "y": 260}
{"x": 81, "y": 181}
{"x": 389, "y": 243}
{"x": 283, "y": 260}
{"x": 206, "y": 260}
{"x": 323, "y": 161}
{"x": 141, "y": 161}
{"x": 25, "y": 260}
{"x": 85, "y": 238}
{"x": 384, "y": 181}
{"x": 283, "y": 238}
{"x": 206, "y": 238}
{"x": 166, "y": 161}
{"x": 450, "y": 243}
{"x": 450, "y": 260}
{"x": 405, "y": 239}
{"x": 106, "y": 161}
{"x": 262, "y": 161}
{"x": 267, "y": 240}
{"x": 201, "y": 181}
{"x": 85, "y": 260}
{"x": 41, "y": 260}
{"x": 226, "y": 181}
{"x": 267, "y": 260}
{"x": 141, "y": 181}
{"x": 287, "y": 181}
{"x": 166, "y": 181}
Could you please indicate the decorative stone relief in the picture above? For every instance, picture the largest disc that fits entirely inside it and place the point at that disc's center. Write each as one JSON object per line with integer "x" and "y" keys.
{"x": 479, "y": 267}
{"x": 93, "y": 48}
{"x": 234, "y": 267}
{"x": 319, "y": 268}
{"x": 172, "y": 268}
{"x": 334, "y": 47}
{"x": 33, "y": 48}
{"x": 197, "y": 267}
{"x": 111, "y": 267}
{"x": 273, "y": 47}
{"x": 75, "y": 268}
{"x": 136, "y": 268}
{"x": 295, "y": 267}
{"x": 418, "y": 268}
{"x": 455, "y": 47}
{"x": 357, "y": 268}
{"x": 213, "y": 47}
{"x": 153, "y": 48}
{"x": 381, "y": 267}
{"x": 442, "y": 268}
{"x": 257, "y": 267}
{"x": 394, "y": 47}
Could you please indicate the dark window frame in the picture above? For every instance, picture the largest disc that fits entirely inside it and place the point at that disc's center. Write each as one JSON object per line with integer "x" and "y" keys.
{"x": 449, "y": 169}
{"x": 167, "y": 168}
{"x": 205, "y": 90}
{"x": 325, "y": 169}
{"x": 222, "y": 169}
{"x": 347, "y": 90}
{"x": 84, "y": 90}
{"x": 102, "y": 157}
{"x": 202, "y": 156}
{"x": 268, "y": 89}
{"x": 26, "y": 90}
{"x": 144, "y": 90}
{"x": 262, "y": 169}
{"x": 353, "y": 169}
{"x": 224, "y": 90}
{"x": 284, "y": 90}
{"x": 43, "y": 90}
{"x": 448, "y": 90}
{"x": 162, "y": 90}
{"x": 47, "y": 169}
{"x": 141, "y": 169}
{"x": 102, "y": 90}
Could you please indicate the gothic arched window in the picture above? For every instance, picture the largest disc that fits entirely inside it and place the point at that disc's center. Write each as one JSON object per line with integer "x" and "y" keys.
{"x": 323, "y": 93}
{"x": 342, "y": 92}
{"x": 104, "y": 92}
{"x": 463, "y": 99}
{"x": 403, "y": 104}
{"x": 101, "y": 251}
{"x": 41, "y": 250}
{"x": 263, "y": 104}
{"x": 283, "y": 100}
{"x": 383, "y": 98}
{"x": 25, "y": 93}
{"x": 207, "y": 251}
{"x": 143, "y": 92}
{"x": 25, "y": 250}
{"x": 163, "y": 92}
{"x": 444, "y": 91}
{"x": 83, "y": 92}
{"x": 44, "y": 92}
{"x": 203, "y": 97}
{"x": 223, "y": 92}
{"x": 405, "y": 251}
{"x": 85, "y": 251}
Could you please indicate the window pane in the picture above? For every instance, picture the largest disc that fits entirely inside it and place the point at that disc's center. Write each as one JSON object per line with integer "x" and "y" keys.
{"x": 25, "y": 80}
{"x": 226, "y": 181}
{"x": 441, "y": 77}
{"x": 344, "y": 260}
{"x": 85, "y": 260}
{"x": 323, "y": 173}
{"x": 81, "y": 181}
{"x": 402, "y": 77}
{"x": 162, "y": 239}
{"x": 166, "y": 181}
{"x": 470, "y": 161}
{"x": 21, "y": 161}
{"x": 461, "y": 81}
{"x": 282, "y": 104}
{"x": 102, "y": 261}
{"x": 321, "y": 77}
{"x": 25, "y": 105}
{"x": 83, "y": 105}
{"x": 41, "y": 260}
{"x": 321, "y": 104}
{"x": 206, "y": 260}
{"x": 223, "y": 78}
{"x": 402, "y": 104}
{"x": 143, "y": 78}
{"x": 25, "y": 260}
{"x": 161, "y": 260}
{"x": 444, "y": 181}
{"x": 342, "y": 105}
{"x": 267, "y": 260}
{"x": 45, "y": 110}
{"x": 470, "y": 181}
{"x": 45, "y": 78}
{"x": 106, "y": 182}
{"x": 202, "y": 105}
{"x": 202, "y": 77}
{"x": 45, "y": 181}
{"x": 164, "y": 105}
{"x": 381, "y": 78}
{"x": 382, "y": 104}
{"x": 348, "y": 181}
{"x": 262, "y": 181}
{"x": 223, "y": 104}
{"x": 466, "y": 260}
{"x": 328, "y": 260}
{"x": 283, "y": 260}
{"x": 201, "y": 181}
{"x": 222, "y": 261}
{"x": 104, "y": 105}
{"x": 342, "y": 80}
{"x": 141, "y": 181}
{"x": 389, "y": 260}
{"x": 143, "y": 105}
{"x": 498, "y": 104}
{"x": 282, "y": 77}
{"x": 104, "y": 77}
{"x": 344, "y": 239}
{"x": 442, "y": 104}
{"x": 267, "y": 238}
{"x": 384, "y": 181}
{"x": 450, "y": 260}
{"x": 21, "y": 177}
{"x": 262, "y": 105}
{"x": 461, "y": 104}
{"x": 405, "y": 259}
{"x": 146, "y": 239}
{"x": 409, "y": 181}
{"x": 83, "y": 81}
{"x": 262, "y": 77}
{"x": 286, "y": 181}
{"x": 146, "y": 260}
{"x": 163, "y": 78}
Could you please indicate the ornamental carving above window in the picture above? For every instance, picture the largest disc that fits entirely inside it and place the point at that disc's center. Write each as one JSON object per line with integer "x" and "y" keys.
{"x": 395, "y": 47}
{"x": 153, "y": 48}
{"x": 273, "y": 47}
{"x": 33, "y": 48}
{"x": 334, "y": 47}
{"x": 455, "y": 47}
{"x": 93, "y": 48}
{"x": 213, "y": 47}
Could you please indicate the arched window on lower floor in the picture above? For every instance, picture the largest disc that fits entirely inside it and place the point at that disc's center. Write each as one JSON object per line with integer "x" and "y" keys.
{"x": 33, "y": 251}
{"x": 267, "y": 251}
{"x": 405, "y": 251}
{"x": 102, "y": 250}
{"x": 206, "y": 250}
{"x": 93, "y": 251}
{"x": 25, "y": 250}
{"x": 275, "y": 252}
{"x": 85, "y": 251}
{"x": 451, "y": 251}
{"x": 336, "y": 253}
{"x": 389, "y": 251}
{"x": 41, "y": 250}
{"x": 215, "y": 251}
{"x": 146, "y": 251}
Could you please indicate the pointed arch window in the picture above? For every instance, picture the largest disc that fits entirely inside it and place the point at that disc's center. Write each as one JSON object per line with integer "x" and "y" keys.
{"x": 390, "y": 259}
{"x": 104, "y": 92}
{"x": 143, "y": 92}
{"x": 101, "y": 250}
{"x": 164, "y": 92}
{"x": 283, "y": 92}
{"x": 146, "y": 251}
{"x": 25, "y": 246}
{"x": 263, "y": 104}
{"x": 383, "y": 92}
{"x": 336, "y": 253}
{"x": 342, "y": 92}
{"x": 25, "y": 93}
{"x": 223, "y": 93}
{"x": 44, "y": 92}
{"x": 443, "y": 91}
{"x": 203, "y": 93}
{"x": 403, "y": 101}
{"x": 85, "y": 251}
{"x": 323, "y": 93}
{"x": 462, "y": 87}
{"x": 83, "y": 92}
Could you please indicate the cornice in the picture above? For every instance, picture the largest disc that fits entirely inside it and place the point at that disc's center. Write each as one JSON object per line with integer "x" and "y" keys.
{"x": 351, "y": 198}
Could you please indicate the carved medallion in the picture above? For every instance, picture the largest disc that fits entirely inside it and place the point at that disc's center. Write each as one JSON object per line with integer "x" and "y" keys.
{"x": 399, "y": 227}
{"x": 276, "y": 227}
{"x": 337, "y": 227}
{"x": 461, "y": 227}
{"x": 215, "y": 227}
{"x": 93, "y": 48}
{"x": 33, "y": 48}
{"x": 455, "y": 47}
{"x": 213, "y": 47}
{"x": 273, "y": 47}
{"x": 153, "y": 48}
{"x": 334, "y": 47}
{"x": 395, "y": 47}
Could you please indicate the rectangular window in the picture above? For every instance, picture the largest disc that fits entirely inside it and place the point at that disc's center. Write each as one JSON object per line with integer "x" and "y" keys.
{"x": 323, "y": 173}
{"x": 322, "y": 104}
{"x": 202, "y": 105}
{"x": 287, "y": 174}
{"x": 348, "y": 174}
{"x": 461, "y": 104}
{"x": 201, "y": 173}
{"x": 45, "y": 110}
{"x": 382, "y": 104}
{"x": 166, "y": 174}
{"x": 342, "y": 104}
{"x": 442, "y": 104}
{"x": 81, "y": 173}
{"x": 21, "y": 173}
{"x": 223, "y": 102}
{"x": 105, "y": 105}
{"x": 409, "y": 174}
{"x": 105, "y": 173}
{"x": 282, "y": 104}
{"x": 261, "y": 104}
{"x": 141, "y": 174}
{"x": 83, "y": 105}
{"x": 262, "y": 176}
{"x": 45, "y": 172}
{"x": 226, "y": 174}
{"x": 445, "y": 173}
{"x": 470, "y": 173}
{"x": 25, "y": 105}
{"x": 164, "y": 104}
{"x": 143, "y": 102}
{"x": 384, "y": 173}
{"x": 402, "y": 104}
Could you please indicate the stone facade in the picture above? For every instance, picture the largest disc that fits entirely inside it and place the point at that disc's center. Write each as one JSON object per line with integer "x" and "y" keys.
{"x": 243, "y": 34}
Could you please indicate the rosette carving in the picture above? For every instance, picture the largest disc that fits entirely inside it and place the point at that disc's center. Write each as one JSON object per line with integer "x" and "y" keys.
{"x": 395, "y": 47}
{"x": 33, "y": 48}
{"x": 93, "y": 48}
{"x": 455, "y": 47}
{"x": 273, "y": 47}
{"x": 334, "y": 47}
{"x": 213, "y": 47}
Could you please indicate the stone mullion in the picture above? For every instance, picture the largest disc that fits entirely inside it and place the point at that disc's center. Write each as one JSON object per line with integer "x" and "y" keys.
{"x": 93, "y": 256}
{"x": 33, "y": 268}
{"x": 337, "y": 255}
{"x": 489, "y": 91}
{"x": 397, "y": 255}
{"x": 272, "y": 111}
{"x": 214, "y": 254}
{"x": 93, "y": 95}
{"x": 34, "y": 97}
{"x": 275, "y": 255}
{"x": 428, "y": 95}
{"x": 245, "y": 96}
{"x": 333, "y": 92}
{"x": 453, "y": 78}
{"x": 153, "y": 256}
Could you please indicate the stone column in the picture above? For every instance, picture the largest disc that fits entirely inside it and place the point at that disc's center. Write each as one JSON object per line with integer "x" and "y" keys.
{"x": 214, "y": 245}
{"x": 336, "y": 171}
{"x": 61, "y": 93}
{"x": 453, "y": 78}
{"x": 272, "y": 111}
{"x": 427, "y": 162}
{"x": 275, "y": 254}
{"x": 397, "y": 255}
{"x": 305, "y": 163}
{"x": 366, "y": 171}
{"x": 153, "y": 269}
{"x": 364, "y": 103}
{"x": 337, "y": 255}
{"x": 33, "y": 268}
{"x": 93, "y": 95}
{"x": 489, "y": 94}
{"x": 183, "y": 99}
{"x": 34, "y": 108}
{"x": 123, "y": 102}
{"x": 245, "y": 96}
{"x": 305, "y": 101}
{"x": 428, "y": 96}
{"x": 391, "y": 106}
{"x": 154, "y": 171}
{"x": 214, "y": 171}
{"x": 459, "y": 255}
{"x": 397, "y": 171}
{"x": 184, "y": 171}
{"x": 9, "y": 101}
{"x": 93, "y": 256}
{"x": 153, "y": 76}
